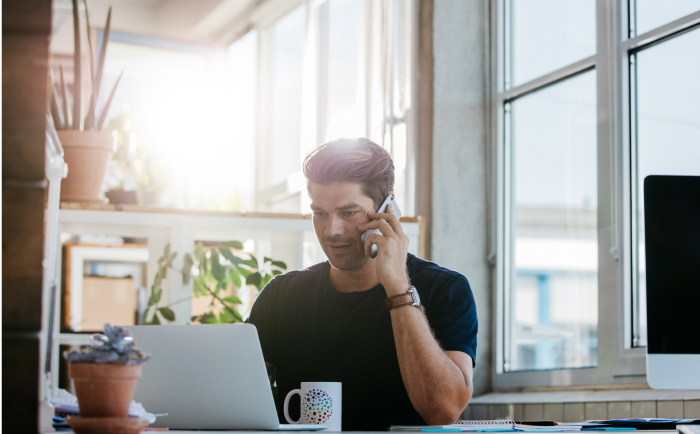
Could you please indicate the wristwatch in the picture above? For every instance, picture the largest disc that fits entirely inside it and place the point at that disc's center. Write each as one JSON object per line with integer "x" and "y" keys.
{"x": 408, "y": 298}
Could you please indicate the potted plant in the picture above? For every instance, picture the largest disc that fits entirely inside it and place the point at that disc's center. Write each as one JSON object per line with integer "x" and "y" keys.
{"x": 87, "y": 148}
{"x": 104, "y": 377}
{"x": 216, "y": 271}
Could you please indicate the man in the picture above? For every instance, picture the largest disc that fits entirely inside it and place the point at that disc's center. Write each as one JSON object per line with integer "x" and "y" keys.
{"x": 399, "y": 364}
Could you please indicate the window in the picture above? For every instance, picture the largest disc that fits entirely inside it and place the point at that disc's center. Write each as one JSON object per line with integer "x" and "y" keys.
{"x": 280, "y": 109}
{"x": 667, "y": 132}
{"x": 590, "y": 97}
{"x": 553, "y": 296}
{"x": 333, "y": 69}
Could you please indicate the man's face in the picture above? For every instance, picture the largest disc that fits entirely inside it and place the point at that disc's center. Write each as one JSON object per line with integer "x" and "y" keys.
{"x": 338, "y": 209}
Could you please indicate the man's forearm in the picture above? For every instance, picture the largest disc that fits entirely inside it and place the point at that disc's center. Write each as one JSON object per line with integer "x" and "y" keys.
{"x": 439, "y": 390}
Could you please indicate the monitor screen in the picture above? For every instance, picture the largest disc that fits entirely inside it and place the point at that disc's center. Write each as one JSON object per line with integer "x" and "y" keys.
{"x": 672, "y": 236}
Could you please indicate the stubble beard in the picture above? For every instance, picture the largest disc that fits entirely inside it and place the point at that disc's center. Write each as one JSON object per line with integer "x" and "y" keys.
{"x": 351, "y": 260}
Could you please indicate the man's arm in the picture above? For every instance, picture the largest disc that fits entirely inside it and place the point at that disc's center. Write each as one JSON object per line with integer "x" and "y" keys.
{"x": 439, "y": 383}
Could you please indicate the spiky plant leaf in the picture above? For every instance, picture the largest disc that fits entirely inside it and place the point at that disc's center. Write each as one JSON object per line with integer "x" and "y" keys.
{"x": 101, "y": 59}
{"x": 56, "y": 113}
{"x": 105, "y": 109}
{"x": 63, "y": 89}
{"x": 90, "y": 117}
{"x": 77, "y": 79}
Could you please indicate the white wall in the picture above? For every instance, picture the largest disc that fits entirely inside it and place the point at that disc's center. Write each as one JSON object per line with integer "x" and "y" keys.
{"x": 459, "y": 228}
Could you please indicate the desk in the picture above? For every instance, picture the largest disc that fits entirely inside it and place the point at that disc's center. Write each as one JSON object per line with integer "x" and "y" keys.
{"x": 374, "y": 432}
{"x": 366, "y": 432}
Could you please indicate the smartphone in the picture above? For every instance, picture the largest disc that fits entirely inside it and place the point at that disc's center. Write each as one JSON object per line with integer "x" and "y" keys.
{"x": 382, "y": 209}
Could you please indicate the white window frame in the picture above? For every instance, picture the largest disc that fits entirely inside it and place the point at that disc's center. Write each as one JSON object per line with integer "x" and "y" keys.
{"x": 618, "y": 360}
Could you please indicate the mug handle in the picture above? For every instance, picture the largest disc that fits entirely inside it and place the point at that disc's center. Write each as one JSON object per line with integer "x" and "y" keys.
{"x": 286, "y": 405}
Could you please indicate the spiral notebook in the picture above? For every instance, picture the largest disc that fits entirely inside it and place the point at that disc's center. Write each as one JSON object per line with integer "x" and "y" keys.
{"x": 489, "y": 426}
{"x": 461, "y": 425}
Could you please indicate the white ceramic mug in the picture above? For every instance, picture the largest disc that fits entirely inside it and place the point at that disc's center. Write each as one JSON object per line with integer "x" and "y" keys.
{"x": 321, "y": 402}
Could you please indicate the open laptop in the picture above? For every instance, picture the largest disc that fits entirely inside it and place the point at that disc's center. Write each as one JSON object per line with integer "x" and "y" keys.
{"x": 207, "y": 377}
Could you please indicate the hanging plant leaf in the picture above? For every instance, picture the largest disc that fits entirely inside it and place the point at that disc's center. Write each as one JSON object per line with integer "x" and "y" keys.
{"x": 253, "y": 279}
{"x": 187, "y": 264}
{"x": 217, "y": 269}
{"x": 232, "y": 299}
{"x": 198, "y": 248}
{"x": 279, "y": 264}
{"x": 200, "y": 286}
{"x": 155, "y": 320}
{"x": 233, "y": 244}
{"x": 276, "y": 272}
{"x": 235, "y": 277}
{"x": 252, "y": 262}
{"x": 228, "y": 255}
{"x": 244, "y": 272}
{"x": 145, "y": 314}
{"x": 225, "y": 317}
{"x": 265, "y": 279}
{"x": 167, "y": 313}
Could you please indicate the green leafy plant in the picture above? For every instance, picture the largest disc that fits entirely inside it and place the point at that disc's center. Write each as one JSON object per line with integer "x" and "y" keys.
{"x": 71, "y": 118}
{"x": 213, "y": 271}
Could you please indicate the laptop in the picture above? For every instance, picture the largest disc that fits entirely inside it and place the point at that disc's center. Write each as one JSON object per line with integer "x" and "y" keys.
{"x": 209, "y": 376}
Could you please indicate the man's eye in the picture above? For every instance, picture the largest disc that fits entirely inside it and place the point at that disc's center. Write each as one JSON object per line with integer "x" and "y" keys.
{"x": 319, "y": 214}
{"x": 349, "y": 213}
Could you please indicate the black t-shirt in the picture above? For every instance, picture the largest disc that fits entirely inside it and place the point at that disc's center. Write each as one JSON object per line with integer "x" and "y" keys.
{"x": 312, "y": 332}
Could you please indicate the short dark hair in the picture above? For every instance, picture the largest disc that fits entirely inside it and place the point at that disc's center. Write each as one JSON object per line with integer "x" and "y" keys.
{"x": 354, "y": 160}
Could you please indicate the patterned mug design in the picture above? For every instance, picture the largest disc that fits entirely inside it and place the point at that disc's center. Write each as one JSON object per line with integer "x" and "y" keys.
{"x": 317, "y": 406}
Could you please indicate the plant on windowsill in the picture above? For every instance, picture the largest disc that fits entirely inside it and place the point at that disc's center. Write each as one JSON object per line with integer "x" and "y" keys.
{"x": 87, "y": 148}
{"x": 221, "y": 268}
{"x": 104, "y": 376}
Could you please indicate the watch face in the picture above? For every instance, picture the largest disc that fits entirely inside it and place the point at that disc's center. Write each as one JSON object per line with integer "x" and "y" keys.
{"x": 416, "y": 297}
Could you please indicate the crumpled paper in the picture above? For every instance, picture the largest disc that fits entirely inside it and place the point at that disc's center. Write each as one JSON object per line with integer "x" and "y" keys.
{"x": 66, "y": 404}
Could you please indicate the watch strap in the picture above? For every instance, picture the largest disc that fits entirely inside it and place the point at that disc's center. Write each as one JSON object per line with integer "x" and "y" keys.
{"x": 405, "y": 299}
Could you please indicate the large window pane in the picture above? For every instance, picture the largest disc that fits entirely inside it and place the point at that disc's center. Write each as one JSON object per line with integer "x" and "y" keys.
{"x": 655, "y": 13}
{"x": 282, "y": 105}
{"x": 344, "y": 113}
{"x": 668, "y": 133}
{"x": 242, "y": 72}
{"x": 549, "y": 34}
{"x": 552, "y": 298}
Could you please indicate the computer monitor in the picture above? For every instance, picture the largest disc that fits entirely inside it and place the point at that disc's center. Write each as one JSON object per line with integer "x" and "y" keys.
{"x": 672, "y": 238}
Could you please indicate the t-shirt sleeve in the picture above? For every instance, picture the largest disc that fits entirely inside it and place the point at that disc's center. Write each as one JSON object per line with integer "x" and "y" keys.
{"x": 451, "y": 313}
{"x": 263, "y": 316}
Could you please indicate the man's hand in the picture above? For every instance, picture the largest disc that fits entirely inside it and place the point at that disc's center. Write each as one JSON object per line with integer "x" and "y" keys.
{"x": 392, "y": 250}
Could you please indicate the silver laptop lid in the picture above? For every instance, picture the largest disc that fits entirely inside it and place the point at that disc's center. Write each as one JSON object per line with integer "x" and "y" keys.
{"x": 205, "y": 377}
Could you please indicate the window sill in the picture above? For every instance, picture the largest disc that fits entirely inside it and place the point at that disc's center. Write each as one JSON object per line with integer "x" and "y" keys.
{"x": 579, "y": 405}
{"x": 587, "y": 396}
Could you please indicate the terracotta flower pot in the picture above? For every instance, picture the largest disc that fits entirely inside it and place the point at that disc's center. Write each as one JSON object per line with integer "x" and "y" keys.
{"x": 104, "y": 390}
{"x": 87, "y": 154}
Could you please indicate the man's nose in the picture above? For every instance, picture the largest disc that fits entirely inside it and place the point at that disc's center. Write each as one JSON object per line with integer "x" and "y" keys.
{"x": 335, "y": 226}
